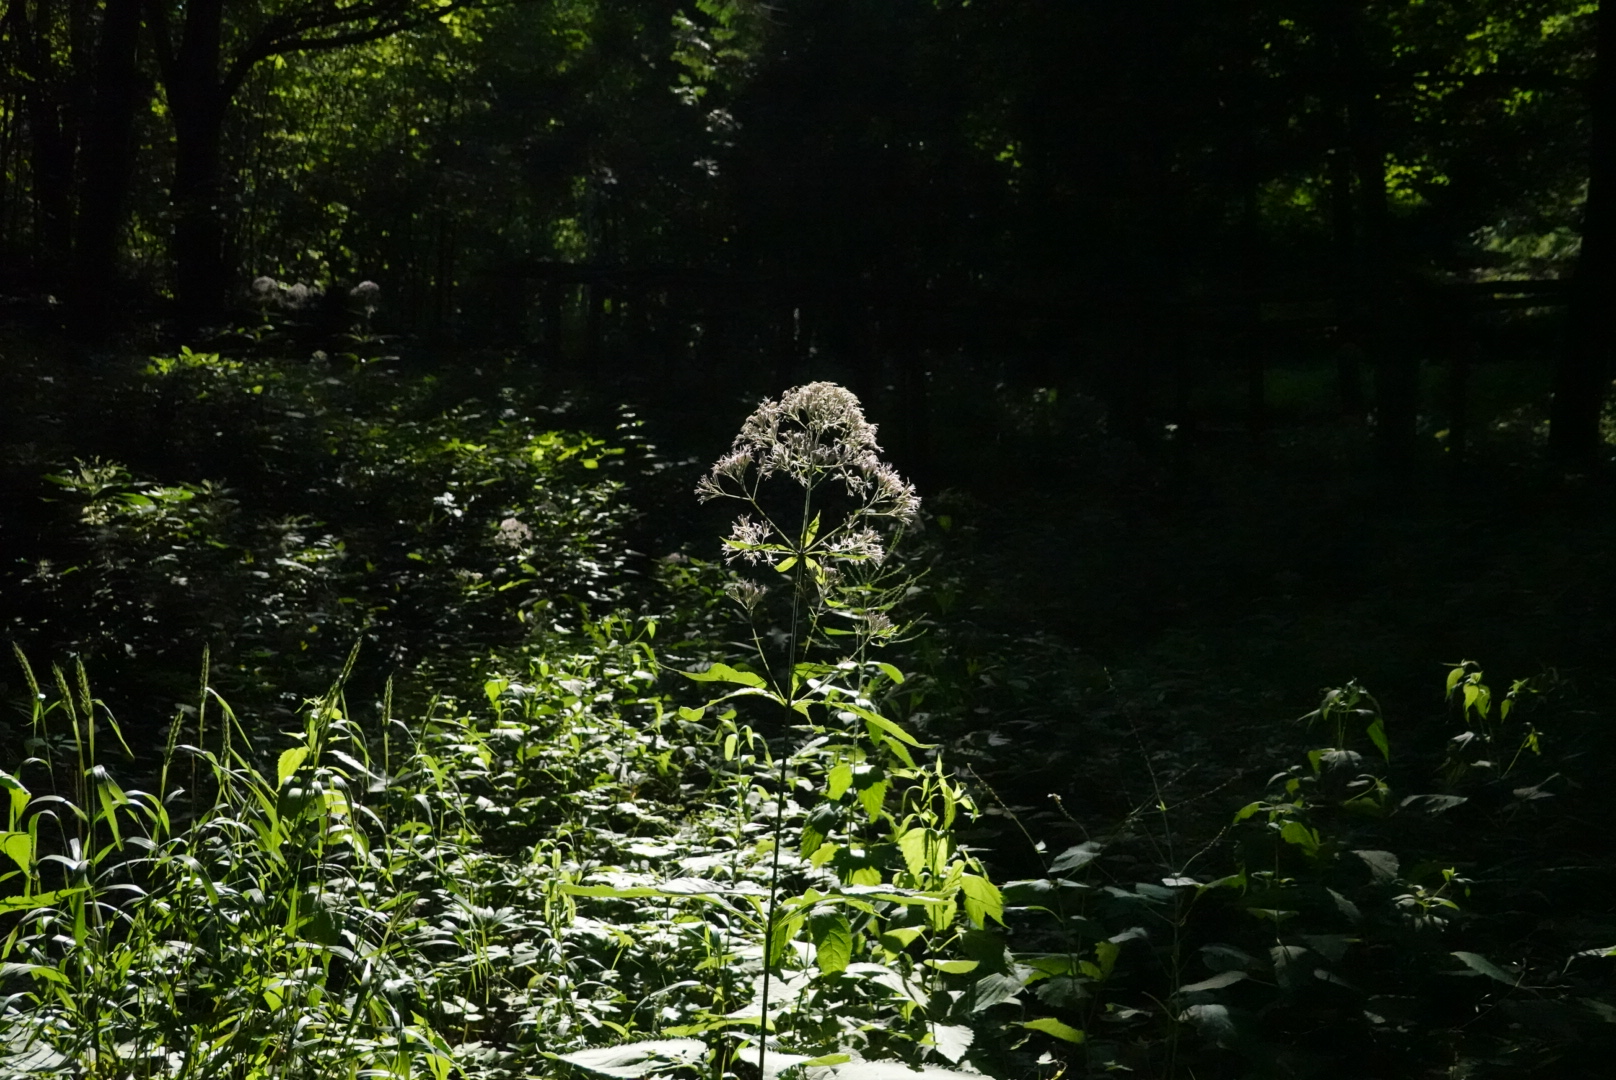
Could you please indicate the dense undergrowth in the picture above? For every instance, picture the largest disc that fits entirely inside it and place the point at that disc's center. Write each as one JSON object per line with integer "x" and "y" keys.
{"x": 628, "y": 817}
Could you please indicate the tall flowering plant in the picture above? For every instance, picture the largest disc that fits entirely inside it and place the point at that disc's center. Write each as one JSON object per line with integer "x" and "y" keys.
{"x": 821, "y": 514}
{"x": 830, "y": 529}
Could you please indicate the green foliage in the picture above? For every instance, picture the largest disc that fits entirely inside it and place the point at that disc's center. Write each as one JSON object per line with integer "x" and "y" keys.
{"x": 345, "y": 504}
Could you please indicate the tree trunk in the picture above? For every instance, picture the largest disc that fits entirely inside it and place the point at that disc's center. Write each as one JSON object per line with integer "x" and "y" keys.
{"x": 197, "y": 100}
{"x": 1396, "y": 367}
{"x": 1582, "y": 377}
{"x": 108, "y": 156}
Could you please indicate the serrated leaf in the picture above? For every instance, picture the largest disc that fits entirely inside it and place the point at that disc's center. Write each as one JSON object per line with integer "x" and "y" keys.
{"x": 952, "y": 1040}
{"x": 983, "y": 900}
{"x": 874, "y": 798}
{"x": 288, "y": 764}
{"x": 838, "y": 780}
{"x": 991, "y": 990}
{"x": 725, "y": 673}
{"x": 631, "y": 1061}
{"x": 1210, "y": 1020}
{"x": 1382, "y": 864}
{"x": 833, "y": 942}
{"x": 1075, "y": 858}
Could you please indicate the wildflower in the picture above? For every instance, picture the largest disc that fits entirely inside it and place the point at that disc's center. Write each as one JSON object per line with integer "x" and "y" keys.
{"x": 813, "y": 432}
{"x": 366, "y": 292}
{"x": 745, "y": 539}
{"x": 748, "y": 594}
{"x": 512, "y": 533}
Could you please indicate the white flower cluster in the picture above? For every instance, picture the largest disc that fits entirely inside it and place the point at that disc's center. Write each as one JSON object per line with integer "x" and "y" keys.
{"x": 814, "y": 433}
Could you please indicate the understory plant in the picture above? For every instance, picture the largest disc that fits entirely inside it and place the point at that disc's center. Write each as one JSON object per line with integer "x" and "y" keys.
{"x": 848, "y": 905}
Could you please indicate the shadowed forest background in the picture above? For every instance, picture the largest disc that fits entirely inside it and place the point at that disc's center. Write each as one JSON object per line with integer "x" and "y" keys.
{"x": 358, "y": 364}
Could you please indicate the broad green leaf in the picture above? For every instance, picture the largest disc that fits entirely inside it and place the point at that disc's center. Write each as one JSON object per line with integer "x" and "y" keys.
{"x": 983, "y": 900}
{"x": 913, "y": 846}
{"x": 725, "y": 673}
{"x": 288, "y": 764}
{"x": 1294, "y": 832}
{"x": 991, "y": 990}
{"x": 19, "y": 847}
{"x": 1075, "y": 858}
{"x": 1483, "y": 966}
{"x": 838, "y": 780}
{"x": 1382, "y": 864}
{"x": 632, "y": 1061}
{"x": 1377, "y": 735}
{"x": 1216, "y": 982}
{"x": 833, "y": 942}
{"x": 890, "y": 671}
{"x": 953, "y": 967}
{"x": 899, "y": 937}
{"x": 874, "y": 798}
{"x": 952, "y": 1040}
{"x": 19, "y": 794}
{"x": 1051, "y": 1026}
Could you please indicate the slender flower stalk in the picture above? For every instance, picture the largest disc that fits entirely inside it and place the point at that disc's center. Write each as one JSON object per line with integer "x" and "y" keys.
{"x": 817, "y": 438}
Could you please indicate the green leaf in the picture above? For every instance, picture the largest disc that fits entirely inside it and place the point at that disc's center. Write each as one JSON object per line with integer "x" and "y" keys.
{"x": 35, "y": 971}
{"x": 38, "y": 900}
{"x": 725, "y": 673}
{"x": 1216, "y": 982}
{"x": 890, "y": 671}
{"x": 1483, "y": 966}
{"x": 983, "y": 900}
{"x": 19, "y": 794}
{"x": 1382, "y": 864}
{"x": 874, "y": 799}
{"x": 833, "y": 942}
{"x": 631, "y": 1061}
{"x": 288, "y": 764}
{"x": 913, "y": 845}
{"x": 900, "y": 937}
{"x": 953, "y": 967}
{"x": 1377, "y": 735}
{"x": 786, "y": 563}
{"x": 1294, "y": 832}
{"x": 838, "y": 780}
{"x": 952, "y": 1040}
{"x": 19, "y": 847}
{"x": 887, "y": 726}
{"x": 1075, "y": 858}
{"x": 1051, "y": 1026}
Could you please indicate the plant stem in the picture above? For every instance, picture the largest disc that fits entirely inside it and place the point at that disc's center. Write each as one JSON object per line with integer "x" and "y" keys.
{"x": 789, "y": 697}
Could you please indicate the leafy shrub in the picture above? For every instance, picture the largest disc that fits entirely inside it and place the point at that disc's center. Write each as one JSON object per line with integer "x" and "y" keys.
{"x": 343, "y": 509}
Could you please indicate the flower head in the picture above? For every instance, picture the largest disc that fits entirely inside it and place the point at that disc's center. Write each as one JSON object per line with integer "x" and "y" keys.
{"x": 814, "y": 432}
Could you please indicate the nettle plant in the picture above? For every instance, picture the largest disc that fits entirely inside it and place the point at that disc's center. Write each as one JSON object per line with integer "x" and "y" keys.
{"x": 840, "y": 904}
